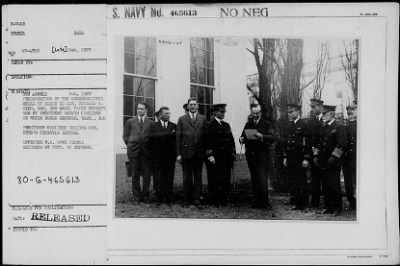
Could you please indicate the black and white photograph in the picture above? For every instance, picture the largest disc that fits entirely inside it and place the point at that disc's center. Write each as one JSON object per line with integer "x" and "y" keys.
{"x": 236, "y": 128}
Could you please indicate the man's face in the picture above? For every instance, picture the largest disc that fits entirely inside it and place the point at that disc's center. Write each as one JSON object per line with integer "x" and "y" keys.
{"x": 165, "y": 115}
{"x": 256, "y": 112}
{"x": 328, "y": 116}
{"x": 293, "y": 114}
{"x": 141, "y": 110}
{"x": 193, "y": 106}
{"x": 316, "y": 109}
{"x": 220, "y": 113}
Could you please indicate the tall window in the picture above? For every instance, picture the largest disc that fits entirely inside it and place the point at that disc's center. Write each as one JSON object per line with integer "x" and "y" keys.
{"x": 202, "y": 72}
{"x": 140, "y": 74}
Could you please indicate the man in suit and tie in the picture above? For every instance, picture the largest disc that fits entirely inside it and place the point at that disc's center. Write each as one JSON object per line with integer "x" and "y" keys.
{"x": 313, "y": 135}
{"x": 163, "y": 137}
{"x": 190, "y": 149}
{"x": 257, "y": 136}
{"x": 221, "y": 153}
{"x": 137, "y": 133}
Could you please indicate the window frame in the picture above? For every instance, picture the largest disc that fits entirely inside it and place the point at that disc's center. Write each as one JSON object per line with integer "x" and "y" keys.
{"x": 140, "y": 76}
{"x": 206, "y": 86}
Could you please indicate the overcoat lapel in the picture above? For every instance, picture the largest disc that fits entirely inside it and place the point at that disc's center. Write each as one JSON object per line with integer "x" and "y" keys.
{"x": 136, "y": 124}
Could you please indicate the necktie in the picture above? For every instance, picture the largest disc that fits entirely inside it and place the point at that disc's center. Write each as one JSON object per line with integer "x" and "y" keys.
{"x": 165, "y": 124}
{"x": 141, "y": 122}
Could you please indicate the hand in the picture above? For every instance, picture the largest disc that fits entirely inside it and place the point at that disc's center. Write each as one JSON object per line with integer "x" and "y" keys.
{"x": 285, "y": 162}
{"x": 179, "y": 159}
{"x": 331, "y": 161}
{"x": 305, "y": 164}
{"x": 259, "y": 135}
{"x": 241, "y": 140}
{"x": 316, "y": 161}
{"x": 211, "y": 159}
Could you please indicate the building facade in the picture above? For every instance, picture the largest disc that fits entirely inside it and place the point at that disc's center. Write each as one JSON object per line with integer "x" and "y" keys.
{"x": 167, "y": 71}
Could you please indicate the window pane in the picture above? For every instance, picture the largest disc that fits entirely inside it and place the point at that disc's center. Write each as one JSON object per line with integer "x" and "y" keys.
{"x": 192, "y": 91}
{"x": 210, "y": 62}
{"x": 145, "y": 65}
{"x": 197, "y": 42}
{"x": 138, "y": 86}
{"x": 201, "y": 95}
{"x": 150, "y": 107}
{"x": 208, "y": 95}
{"x": 210, "y": 76}
{"x": 128, "y": 105}
{"x": 144, "y": 87}
{"x": 128, "y": 85}
{"x": 149, "y": 88}
{"x": 210, "y": 44}
{"x": 145, "y": 46}
{"x": 202, "y": 109}
{"x": 145, "y": 53}
{"x": 129, "y": 63}
{"x": 126, "y": 118}
{"x": 197, "y": 75}
{"x": 129, "y": 44}
{"x": 199, "y": 57}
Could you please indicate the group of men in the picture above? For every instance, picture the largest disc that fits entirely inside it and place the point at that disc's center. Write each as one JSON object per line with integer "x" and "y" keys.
{"x": 324, "y": 146}
{"x": 320, "y": 143}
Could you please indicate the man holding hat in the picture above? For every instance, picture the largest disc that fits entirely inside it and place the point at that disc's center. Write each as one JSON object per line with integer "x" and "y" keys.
{"x": 313, "y": 127}
{"x": 350, "y": 156}
{"x": 332, "y": 143}
{"x": 221, "y": 153}
{"x": 296, "y": 157}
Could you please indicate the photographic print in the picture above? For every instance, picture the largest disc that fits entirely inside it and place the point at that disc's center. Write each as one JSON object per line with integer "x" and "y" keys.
{"x": 237, "y": 128}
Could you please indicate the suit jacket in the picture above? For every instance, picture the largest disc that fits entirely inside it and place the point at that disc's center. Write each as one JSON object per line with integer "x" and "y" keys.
{"x": 163, "y": 142}
{"x": 220, "y": 142}
{"x": 137, "y": 139}
{"x": 333, "y": 141}
{"x": 190, "y": 136}
{"x": 258, "y": 149}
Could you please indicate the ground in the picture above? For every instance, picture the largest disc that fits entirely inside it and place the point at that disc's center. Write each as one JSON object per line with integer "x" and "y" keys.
{"x": 238, "y": 208}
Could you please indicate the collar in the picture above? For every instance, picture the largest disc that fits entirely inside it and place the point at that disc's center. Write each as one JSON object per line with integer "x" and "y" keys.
{"x": 331, "y": 122}
{"x": 257, "y": 121}
{"x": 319, "y": 116}
{"x": 141, "y": 117}
{"x": 218, "y": 120}
{"x": 164, "y": 122}
{"x": 192, "y": 114}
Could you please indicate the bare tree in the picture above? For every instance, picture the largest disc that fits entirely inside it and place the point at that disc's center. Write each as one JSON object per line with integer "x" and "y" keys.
{"x": 322, "y": 69}
{"x": 263, "y": 52}
{"x": 350, "y": 64}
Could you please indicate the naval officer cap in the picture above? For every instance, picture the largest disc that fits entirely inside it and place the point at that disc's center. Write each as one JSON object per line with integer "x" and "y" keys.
{"x": 292, "y": 106}
{"x": 314, "y": 101}
{"x": 328, "y": 108}
{"x": 218, "y": 106}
